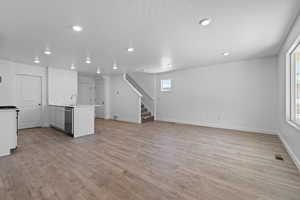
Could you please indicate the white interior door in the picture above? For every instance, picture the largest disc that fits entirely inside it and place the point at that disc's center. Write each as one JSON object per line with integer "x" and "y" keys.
{"x": 29, "y": 100}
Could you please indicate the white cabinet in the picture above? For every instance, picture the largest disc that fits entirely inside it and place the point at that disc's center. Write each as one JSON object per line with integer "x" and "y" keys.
{"x": 60, "y": 117}
{"x": 83, "y": 120}
{"x": 57, "y": 117}
{"x": 8, "y": 133}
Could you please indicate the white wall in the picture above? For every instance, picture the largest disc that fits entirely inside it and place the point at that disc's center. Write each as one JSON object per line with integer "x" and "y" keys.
{"x": 62, "y": 84}
{"x": 240, "y": 95}
{"x": 7, "y": 86}
{"x": 124, "y": 101}
{"x": 107, "y": 96}
{"x": 8, "y": 71}
{"x": 289, "y": 134}
{"x": 86, "y": 90}
{"x": 100, "y": 95}
{"x": 146, "y": 81}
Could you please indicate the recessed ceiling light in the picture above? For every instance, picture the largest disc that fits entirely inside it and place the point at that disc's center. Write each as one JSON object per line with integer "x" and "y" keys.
{"x": 88, "y": 60}
{"x": 130, "y": 49}
{"x": 226, "y": 54}
{"x": 205, "y": 21}
{"x": 47, "y": 51}
{"x": 73, "y": 67}
{"x": 98, "y": 71}
{"x": 115, "y": 67}
{"x": 77, "y": 28}
{"x": 36, "y": 60}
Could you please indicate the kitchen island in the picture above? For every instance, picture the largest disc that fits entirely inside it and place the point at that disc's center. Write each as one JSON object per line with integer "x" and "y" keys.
{"x": 76, "y": 121}
{"x": 9, "y": 129}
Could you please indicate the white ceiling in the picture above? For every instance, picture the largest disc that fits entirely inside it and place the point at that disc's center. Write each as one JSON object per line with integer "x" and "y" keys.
{"x": 161, "y": 31}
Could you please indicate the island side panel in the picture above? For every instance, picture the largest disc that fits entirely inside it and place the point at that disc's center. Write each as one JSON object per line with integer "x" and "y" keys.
{"x": 84, "y": 121}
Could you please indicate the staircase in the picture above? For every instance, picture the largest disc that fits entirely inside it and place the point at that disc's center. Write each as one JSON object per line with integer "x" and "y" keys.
{"x": 146, "y": 116}
{"x": 147, "y": 102}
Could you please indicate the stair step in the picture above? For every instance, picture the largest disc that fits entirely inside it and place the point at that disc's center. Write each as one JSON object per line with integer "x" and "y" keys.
{"x": 146, "y": 114}
{"x": 148, "y": 119}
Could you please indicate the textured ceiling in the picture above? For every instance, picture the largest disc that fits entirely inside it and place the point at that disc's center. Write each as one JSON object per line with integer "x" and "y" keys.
{"x": 161, "y": 31}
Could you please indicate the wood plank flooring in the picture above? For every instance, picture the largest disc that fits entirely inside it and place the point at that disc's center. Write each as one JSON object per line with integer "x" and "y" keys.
{"x": 150, "y": 161}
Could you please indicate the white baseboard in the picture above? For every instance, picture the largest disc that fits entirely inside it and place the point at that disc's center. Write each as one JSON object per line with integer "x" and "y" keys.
{"x": 290, "y": 152}
{"x": 222, "y": 126}
{"x": 4, "y": 153}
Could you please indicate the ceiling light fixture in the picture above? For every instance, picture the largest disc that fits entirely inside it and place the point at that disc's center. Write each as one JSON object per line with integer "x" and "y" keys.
{"x": 130, "y": 49}
{"x": 205, "y": 21}
{"x": 36, "y": 60}
{"x": 115, "y": 67}
{"x": 77, "y": 28}
{"x": 226, "y": 54}
{"x": 98, "y": 71}
{"x": 47, "y": 51}
{"x": 88, "y": 60}
{"x": 73, "y": 67}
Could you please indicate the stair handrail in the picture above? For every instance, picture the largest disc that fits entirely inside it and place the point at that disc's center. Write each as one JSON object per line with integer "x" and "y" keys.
{"x": 147, "y": 99}
{"x": 134, "y": 88}
{"x": 137, "y": 86}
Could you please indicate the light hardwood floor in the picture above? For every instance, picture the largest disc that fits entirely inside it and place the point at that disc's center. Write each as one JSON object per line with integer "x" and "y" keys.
{"x": 154, "y": 160}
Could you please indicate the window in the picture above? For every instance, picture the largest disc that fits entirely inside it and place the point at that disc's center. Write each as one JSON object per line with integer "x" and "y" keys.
{"x": 295, "y": 85}
{"x": 165, "y": 85}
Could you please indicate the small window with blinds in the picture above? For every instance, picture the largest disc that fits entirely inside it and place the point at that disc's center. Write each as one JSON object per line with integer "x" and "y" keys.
{"x": 166, "y": 85}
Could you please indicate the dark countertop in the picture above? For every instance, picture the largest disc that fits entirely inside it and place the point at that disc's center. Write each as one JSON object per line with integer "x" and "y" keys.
{"x": 7, "y": 107}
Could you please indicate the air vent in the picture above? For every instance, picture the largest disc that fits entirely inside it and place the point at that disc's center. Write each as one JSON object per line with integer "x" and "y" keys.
{"x": 278, "y": 157}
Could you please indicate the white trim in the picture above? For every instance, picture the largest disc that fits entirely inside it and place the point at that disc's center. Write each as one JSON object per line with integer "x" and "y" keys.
{"x": 288, "y": 79}
{"x": 222, "y": 126}
{"x": 140, "y": 111}
{"x": 5, "y": 154}
{"x": 294, "y": 125}
{"x": 290, "y": 152}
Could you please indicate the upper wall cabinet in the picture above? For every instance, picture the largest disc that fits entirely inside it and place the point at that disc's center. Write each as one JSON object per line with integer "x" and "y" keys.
{"x": 62, "y": 87}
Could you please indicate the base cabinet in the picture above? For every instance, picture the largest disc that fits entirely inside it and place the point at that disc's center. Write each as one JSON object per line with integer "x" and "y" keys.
{"x": 8, "y": 133}
{"x": 57, "y": 117}
{"x": 84, "y": 121}
{"x": 76, "y": 121}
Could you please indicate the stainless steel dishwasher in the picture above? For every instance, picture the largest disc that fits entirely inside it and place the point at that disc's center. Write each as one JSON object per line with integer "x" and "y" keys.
{"x": 69, "y": 121}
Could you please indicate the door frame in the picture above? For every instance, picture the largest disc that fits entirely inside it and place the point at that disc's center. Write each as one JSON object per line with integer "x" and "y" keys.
{"x": 41, "y": 93}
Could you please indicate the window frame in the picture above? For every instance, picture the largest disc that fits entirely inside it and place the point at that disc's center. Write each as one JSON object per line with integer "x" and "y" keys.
{"x": 165, "y": 89}
{"x": 291, "y": 85}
